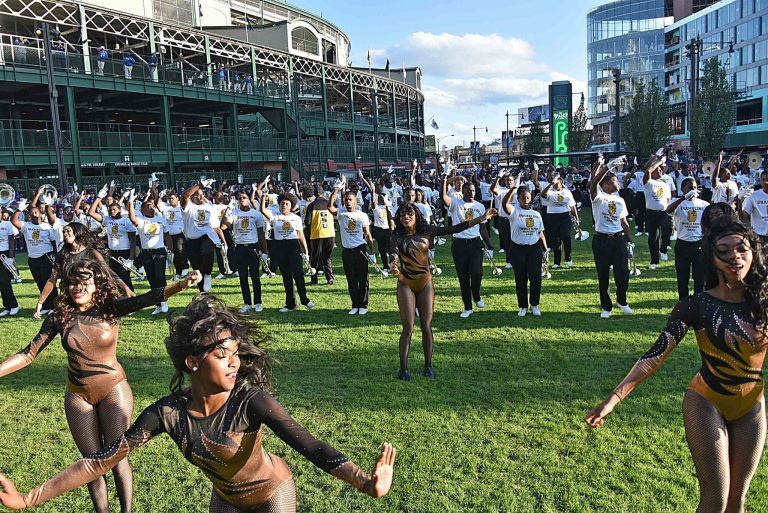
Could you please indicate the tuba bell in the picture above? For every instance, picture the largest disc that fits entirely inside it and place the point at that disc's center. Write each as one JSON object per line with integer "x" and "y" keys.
{"x": 708, "y": 168}
{"x": 754, "y": 160}
{"x": 48, "y": 194}
{"x": 7, "y": 194}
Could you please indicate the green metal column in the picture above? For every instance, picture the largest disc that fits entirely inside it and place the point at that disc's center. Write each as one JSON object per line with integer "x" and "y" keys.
{"x": 153, "y": 47}
{"x": 287, "y": 143}
{"x": 325, "y": 119}
{"x": 234, "y": 125}
{"x": 166, "y": 119}
{"x": 253, "y": 67}
{"x": 410, "y": 141}
{"x": 352, "y": 116}
{"x": 74, "y": 134}
{"x": 208, "y": 64}
{"x": 394, "y": 123}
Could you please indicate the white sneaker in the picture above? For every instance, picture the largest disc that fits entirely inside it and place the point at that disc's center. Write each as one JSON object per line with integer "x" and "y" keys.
{"x": 264, "y": 275}
{"x": 495, "y": 231}
{"x": 220, "y": 276}
{"x": 638, "y": 234}
{"x": 605, "y": 314}
{"x": 417, "y": 312}
{"x": 556, "y": 266}
{"x": 664, "y": 257}
{"x": 245, "y": 309}
{"x": 626, "y": 309}
{"x": 14, "y": 311}
{"x": 310, "y": 305}
{"x": 235, "y": 274}
{"x": 652, "y": 267}
{"x": 207, "y": 283}
{"x": 157, "y": 310}
{"x": 522, "y": 312}
{"x": 164, "y": 306}
{"x": 535, "y": 311}
{"x": 508, "y": 266}
{"x": 501, "y": 250}
{"x": 673, "y": 236}
{"x": 645, "y": 233}
{"x": 5, "y": 313}
{"x": 569, "y": 263}
{"x": 480, "y": 304}
{"x": 354, "y": 311}
{"x": 362, "y": 311}
{"x": 257, "y": 307}
{"x": 44, "y": 312}
{"x": 285, "y": 309}
{"x": 465, "y": 314}
{"x": 385, "y": 273}
{"x": 176, "y": 277}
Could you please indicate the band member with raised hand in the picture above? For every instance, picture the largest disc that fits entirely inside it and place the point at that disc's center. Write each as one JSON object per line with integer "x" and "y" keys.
{"x": 174, "y": 219}
{"x": 247, "y": 225}
{"x": 8, "y": 234}
{"x": 221, "y": 205}
{"x": 687, "y": 212}
{"x": 322, "y": 237}
{"x": 658, "y": 221}
{"x": 201, "y": 230}
{"x": 121, "y": 235}
{"x": 410, "y": 262}
{"x": 40, "y": 240}
{"x": 560, "y": 208}
{"x": 155, "y": 241}
{"x": 724, "y": 406}
{"x": 289, "y": 248}
{"x": 355, "y": 239}
{"x": 725, "y": 190}
{"x": 527, "y": 239}
{"x": 499, "y": 189}
{"x": 638, "y": 201}
{"x": 612, "y": 236}
{"x": 467, "y": 247}
{"x": 755, "y": 207}
{"x": 98, "y": 402}
{"x": 382, "y": 222}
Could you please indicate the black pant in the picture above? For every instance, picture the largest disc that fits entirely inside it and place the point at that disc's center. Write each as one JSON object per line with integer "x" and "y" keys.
{"x": 687, "y": 261}
{"x": 288, "y": 256}
{"x": 179, "y": 257}
{"x": 504, "y": 240}
{"x": 560, "y": 235}
{"x": 231, "y": 258}
{"x": 121, "y": 272}
{"x": 248, "y": 265}
{"x": 468, "y": 259}
{"x": 41, "y": 268}
{"x": 320, "y": 251}
{"x": 640, "y": 211}
{"x": 356, "y": 271}
{"x": 153, "y": 261}
{"x": 200, "y": 255}
{"x": 6, "y": 287}
{"x": 611, "y": 251}
{"x": 382, "y": 237}
{"x": 526, "y": 262}
{"x": 659, "y": 226}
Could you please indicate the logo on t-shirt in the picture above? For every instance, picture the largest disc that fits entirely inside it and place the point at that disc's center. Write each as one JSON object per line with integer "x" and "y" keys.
{"x": 658, "y": 192}
{"x": 35, "y": 234}
{"x": 286, "y": 226}
{"x": 114, "y": 229}
{"x": 201, "y": 215}
{"x": 559, "y": 198}
{"x": 692, "y": 216}
{"x": 469, "y": 214}
{"x": 245, "y": 223}
{"x": 612, "y": 208}
{"x": 152, "y": 229}
{"x": 351, "y": 225}
{"x": 172, "y": 216}
{"x": 529, "y": 222}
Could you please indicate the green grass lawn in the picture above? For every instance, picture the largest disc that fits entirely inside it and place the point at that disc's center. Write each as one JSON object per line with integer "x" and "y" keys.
{"x": 501, "y": 429}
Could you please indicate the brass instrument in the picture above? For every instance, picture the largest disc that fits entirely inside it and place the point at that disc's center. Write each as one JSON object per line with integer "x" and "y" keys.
{"x": 633, "y": 270}
{"x": 581, "y": 235}
{"x": 754, "y": 160}
{"x": 495, "y": 270}
{"x": 48, "y": 195}
{"x": 708, "y": 168}
{"x": 8, "y": 263}
{"x": 545, "y": 265}
{"x": 311, "y": 271}
{"x": 375, "y": 265}
{"x": 265, "y": 267}
{"x": 433, "y": 268}
{"x": 128, "y": 267}
{"x": 7, "y": 194}
{"x": 224, "y": 259}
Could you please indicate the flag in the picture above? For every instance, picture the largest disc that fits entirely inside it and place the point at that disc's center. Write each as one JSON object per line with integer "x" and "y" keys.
{"x": 404, "y": 74}
{"x": 369, "y": 58}
{"x": 387, "y": 66}
{"x": 200, "y": 8}
{"x": 248, "y": 22}
{"x": 435, "y": 125}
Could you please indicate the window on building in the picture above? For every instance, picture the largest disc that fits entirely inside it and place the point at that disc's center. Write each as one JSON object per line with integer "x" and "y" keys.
{"x": 303, "y": 40}
{"x": 747, "y": 7}
{"x": 177, "y": 11}
{"x": 749, "y": 112}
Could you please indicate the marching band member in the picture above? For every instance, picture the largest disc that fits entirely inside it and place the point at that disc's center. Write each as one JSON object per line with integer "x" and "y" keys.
{"x": 247, "y": 226}
{"x": 688, "y": 211}
{"x": 755, "y": 206}
{"x": 174, "y": 219}
{"x": 8, "y": 234}
{"x": 322, "y": 237}
{"x": 222, "y": 206}
{"x": 724, "y": 190}
{"x": 560, "y": 207}
{"x": 499, "y": 189}
{"x": 289, "y": 247}
{"x": 121, "y": 235}
{"x": 612, "y": 234}
{"x": 658, "y": 222}
{"x": 526, "y": 228}
{"x": 636, "y": 184}
{"x": 201, "y": 230}
{"x": 355, "y": 236}
{"x": 467, "y": 247}
{"x": 382, "y": 222}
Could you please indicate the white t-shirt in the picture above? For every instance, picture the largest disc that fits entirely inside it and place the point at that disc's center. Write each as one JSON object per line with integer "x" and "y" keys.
{"x": 461, "y": 211}
{"x": 725, "y": 192}
{"x": 286, "y": 227}
{"x": 426, "y": 211}
{"x": 40, "y": 238}
{"x": 657, "y": 194}
{"x": 559, "y": 202}
{"x": 485, "y": 194}
{"x": 173, "y": 218}
{"x": 351, "y": 225}
{"x": 638, "y": 179}
{"x": 275, "y": 211}
{"x": 380, "y": 219}
{"x": 151, "y": 230}
{"x": 6, "y": 230}
{"x": 756, "y": 206}
{"x": 499, "y": 198}
{"x": 200, "y": 220}
{"x": 608, "y": 211}
{"x": 117, "y": 232}
{"x": 687, "y": 219}
{"x": 670, "y": 181}
{"x": 245, "y": 225}
{"x": 525, "y": 226}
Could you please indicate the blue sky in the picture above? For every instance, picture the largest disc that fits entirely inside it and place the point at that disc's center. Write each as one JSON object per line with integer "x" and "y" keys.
{"x": 479, "y": 59}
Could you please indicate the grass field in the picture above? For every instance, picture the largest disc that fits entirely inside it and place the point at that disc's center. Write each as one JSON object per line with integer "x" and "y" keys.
{"x": 500, "y": 430}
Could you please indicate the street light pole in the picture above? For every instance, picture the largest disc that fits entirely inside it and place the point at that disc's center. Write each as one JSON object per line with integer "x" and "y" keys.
{"x": 506, "y": 141}
{"x": 53, "y": 96}
{"x": 442, "y": 139}
{"x": 616, "y": 72}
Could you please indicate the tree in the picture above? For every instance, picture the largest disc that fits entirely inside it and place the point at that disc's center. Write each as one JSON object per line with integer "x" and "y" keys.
{"x": 645, "y": 127}
{"x": 714, "y": 110}
{"x": 534, "y": 142}
{"x": 579, "y": 138}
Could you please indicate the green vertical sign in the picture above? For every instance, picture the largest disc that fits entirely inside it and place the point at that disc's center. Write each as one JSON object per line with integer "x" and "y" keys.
{"x": 560, "y": 108}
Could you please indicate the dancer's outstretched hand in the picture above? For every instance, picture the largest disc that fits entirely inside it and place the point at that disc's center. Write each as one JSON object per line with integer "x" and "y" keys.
{"x": 383, "y": 472}
{"x": 596, "y": 416}
{"x": 11, "y": 498}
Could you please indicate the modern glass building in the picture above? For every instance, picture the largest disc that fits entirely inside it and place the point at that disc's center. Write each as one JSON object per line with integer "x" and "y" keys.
{"x": 205, "y": 95}
{"x": 628, "y": 35}
{"x": 736, "y": 33}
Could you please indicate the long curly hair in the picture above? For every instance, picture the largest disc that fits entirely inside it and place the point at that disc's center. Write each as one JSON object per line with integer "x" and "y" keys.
{"x": 193, "y": 330}
{"x": 86, "y": 238}
{"x": 756, "y": 281}
{"x": 104, "y": 297}
{"x": 421, "y": 224}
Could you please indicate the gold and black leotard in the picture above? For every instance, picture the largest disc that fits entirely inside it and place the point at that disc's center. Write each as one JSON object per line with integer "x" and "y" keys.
{"x": 226, "y": 446}
{"x": 732, "y": 353}
{"x": 413, "y": 253}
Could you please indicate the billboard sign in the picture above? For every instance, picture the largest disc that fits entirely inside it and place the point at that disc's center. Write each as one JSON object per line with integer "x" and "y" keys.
{"x": 507, "y": 139}
{"x": 530, "y": 114}
{"x": 430, "y": 144}
{"x": 561, "y": 107}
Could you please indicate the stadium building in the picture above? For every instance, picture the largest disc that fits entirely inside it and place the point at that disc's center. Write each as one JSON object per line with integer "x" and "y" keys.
{"x": 221, "y": 88}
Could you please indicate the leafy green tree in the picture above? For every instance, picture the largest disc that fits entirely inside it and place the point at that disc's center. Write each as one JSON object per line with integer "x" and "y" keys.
{"x": 645, "y": 127}
{"x": 714, "y": 110}
{"x": 534, "y": 142}
{"x": 579, "y": 138}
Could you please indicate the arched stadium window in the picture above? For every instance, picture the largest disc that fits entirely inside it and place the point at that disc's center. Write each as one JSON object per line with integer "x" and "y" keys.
{"x": 303, "y": 40}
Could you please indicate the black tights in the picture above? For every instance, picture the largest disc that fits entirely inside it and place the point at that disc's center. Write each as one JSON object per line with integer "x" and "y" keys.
{"x": 409, "y": 301}
{"x": 94, "y": 426}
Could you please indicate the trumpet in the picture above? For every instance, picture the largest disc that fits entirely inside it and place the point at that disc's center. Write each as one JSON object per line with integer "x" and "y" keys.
{"x": 311, "y": 271}
{"x": 224, "y": 259}
{"x": 545, "y": 265}
{"x": 375, "y": 265}
{"x": 433, "y": 268}
{"x": 495, "y": 270}
{"x": 8, "y": 263}
{"x": 125, "y": 264}
{"x": 581, "y": 235}
{"x": 633, "y": 270}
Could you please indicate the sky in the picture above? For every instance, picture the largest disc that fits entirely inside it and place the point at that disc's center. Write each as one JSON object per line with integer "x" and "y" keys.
{"x": 479, "y": 59}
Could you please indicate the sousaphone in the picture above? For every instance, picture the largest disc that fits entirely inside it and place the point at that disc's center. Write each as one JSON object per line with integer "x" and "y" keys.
{"x": 708, "y": 168}
{"x": 7, "y": 194}
{"x": 754, "y": 160}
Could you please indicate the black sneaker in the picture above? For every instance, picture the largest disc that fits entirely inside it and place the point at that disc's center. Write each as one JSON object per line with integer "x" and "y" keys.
{"x": 429, "y": 373}
{"x": 404, "y": 375}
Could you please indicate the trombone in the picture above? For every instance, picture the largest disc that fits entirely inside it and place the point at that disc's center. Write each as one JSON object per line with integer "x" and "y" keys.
{"x": 128, "y": 267}
{"x": 545, "y": 265}
{"x": 8, "y": 263}
{"x": 375, "y": 264}
{"x": 633, "y": 270}
{"x": 225, "y": 259}
{"x": 265, "y": 266}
